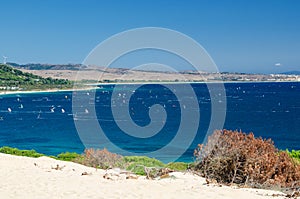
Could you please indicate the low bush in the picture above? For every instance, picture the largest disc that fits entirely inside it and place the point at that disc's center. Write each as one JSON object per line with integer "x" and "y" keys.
{"x": 69, "y": 156}
{"x": 178, "y": 166}
{"x": 295, "y": 155}
{"x": 235, "y": 157}
{"x": 137, "y": 164}
{"x": 18, "y": 152}
{"x": 102, "y": 159}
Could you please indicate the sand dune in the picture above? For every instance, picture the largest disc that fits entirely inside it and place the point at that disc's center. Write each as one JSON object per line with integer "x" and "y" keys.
{"x": 35, "y": 178}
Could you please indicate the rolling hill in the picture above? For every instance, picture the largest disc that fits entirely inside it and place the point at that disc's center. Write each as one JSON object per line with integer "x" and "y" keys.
{"x": 38, "y": 66}
{"x": 14, "y": 79}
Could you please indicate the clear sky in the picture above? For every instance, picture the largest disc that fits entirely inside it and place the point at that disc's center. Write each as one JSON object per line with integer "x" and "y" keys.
{"x": 240, "y": 35}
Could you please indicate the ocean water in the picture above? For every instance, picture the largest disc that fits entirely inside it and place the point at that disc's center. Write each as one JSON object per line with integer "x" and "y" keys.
{"x": 48, "y": 123}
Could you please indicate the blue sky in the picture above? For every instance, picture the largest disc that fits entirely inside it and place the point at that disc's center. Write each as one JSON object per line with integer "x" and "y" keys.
{"x": 240, "y": 35}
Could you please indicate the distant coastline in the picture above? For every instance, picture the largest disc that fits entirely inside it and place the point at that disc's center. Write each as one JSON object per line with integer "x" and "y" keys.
{"x": 93, "y": 74}
{"x": 44, "y": 91}
{"x": 17, "y": 79}
{"x": 200, "y": 82}
{"x": 95, "y": 86}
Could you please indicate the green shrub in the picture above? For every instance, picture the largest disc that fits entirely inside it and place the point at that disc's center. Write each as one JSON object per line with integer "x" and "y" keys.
{"x": 68, "y": 156}
{"x": 295, "y": 155}
{"x": 178, "y": 166}
{"x": 15, "y": 151}
{"x": 137, "y": 164}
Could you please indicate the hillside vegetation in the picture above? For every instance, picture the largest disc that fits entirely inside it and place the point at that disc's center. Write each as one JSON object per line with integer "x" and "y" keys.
{"x": 14, "y": 79}
{"x": 38, "y": 66}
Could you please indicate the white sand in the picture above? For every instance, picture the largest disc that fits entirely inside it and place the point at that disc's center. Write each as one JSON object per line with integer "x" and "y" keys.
{"x": 49, "y": 90}
{"x": 35, "y": 178}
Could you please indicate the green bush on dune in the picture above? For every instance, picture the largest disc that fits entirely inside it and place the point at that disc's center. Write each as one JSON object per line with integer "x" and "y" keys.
{"x": 18, "y": 152}
{"x": 295, "y": 154}
{"x": 136, "y": 164}
{"x": 68, "y": 156}
{"x": 179, "y": 166}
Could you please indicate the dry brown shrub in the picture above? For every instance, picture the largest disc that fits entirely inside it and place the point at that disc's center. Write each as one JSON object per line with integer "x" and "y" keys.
{"x": 235, "y": 157}
{"x": 101, "y": 158}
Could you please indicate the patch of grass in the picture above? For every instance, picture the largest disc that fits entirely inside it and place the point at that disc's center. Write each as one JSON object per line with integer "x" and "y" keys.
{"x": 18, "y": 152}
{"x": 136, "y": 164}
{"x": 68, "y": 156}
{"x": 178, "y": 166}
{"x": 295, "y": 154}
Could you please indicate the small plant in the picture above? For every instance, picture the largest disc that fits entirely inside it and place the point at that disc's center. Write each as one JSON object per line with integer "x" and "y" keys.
{"x": 178, "y": 166}
{"x": 137, "y": 164}
{"x": 102, "y": 159}
{"x": 68, "y": 156}
{"x": 295, "y": 155}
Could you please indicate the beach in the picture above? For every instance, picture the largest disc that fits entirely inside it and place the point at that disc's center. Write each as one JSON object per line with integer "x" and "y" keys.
{"x": 18, "y": 92}
{"x": 48, "y": 178}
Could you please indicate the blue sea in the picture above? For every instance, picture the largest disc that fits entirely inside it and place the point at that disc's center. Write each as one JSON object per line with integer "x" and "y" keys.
{"x": 49, "y": 122}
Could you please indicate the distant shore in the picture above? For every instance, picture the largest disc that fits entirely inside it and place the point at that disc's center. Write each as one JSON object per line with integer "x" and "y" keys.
{"x": 94, "y": 86}
{"x": 190, "y": 82}
{"x": 94, "y": 73}
{"x": 46, "y": 91}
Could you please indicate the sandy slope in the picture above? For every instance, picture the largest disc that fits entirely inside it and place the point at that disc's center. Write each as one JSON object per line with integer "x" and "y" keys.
{"x": 115, "y": 74}
{"x": 23, "y": 177}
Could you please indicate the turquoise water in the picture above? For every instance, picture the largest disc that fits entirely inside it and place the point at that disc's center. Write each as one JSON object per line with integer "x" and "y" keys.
{"x": 45, "y": 121}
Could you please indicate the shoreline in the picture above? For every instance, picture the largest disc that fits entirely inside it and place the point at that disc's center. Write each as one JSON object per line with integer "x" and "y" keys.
{"x": 45, "y": 91}
{"x": 95, "y": 86}
{"x": 204, "y": 82}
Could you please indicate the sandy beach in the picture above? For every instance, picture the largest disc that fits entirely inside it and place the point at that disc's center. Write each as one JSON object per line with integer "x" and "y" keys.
{"x": 87, "y": 88}
{"x": 35, "y": 178}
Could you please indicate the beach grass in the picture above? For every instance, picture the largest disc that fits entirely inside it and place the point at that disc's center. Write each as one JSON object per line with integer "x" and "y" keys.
{"x": 68, "y": 156}
{"x": 179, "y": 166}
{"x": 136, "y": 164}
{"x": 18, "y": 152}
{"x": 295, "y": 154}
